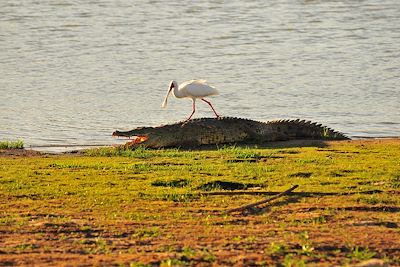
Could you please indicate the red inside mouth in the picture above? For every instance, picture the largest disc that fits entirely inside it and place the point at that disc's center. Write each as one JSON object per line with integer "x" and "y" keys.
{"x": 138, "y": 139}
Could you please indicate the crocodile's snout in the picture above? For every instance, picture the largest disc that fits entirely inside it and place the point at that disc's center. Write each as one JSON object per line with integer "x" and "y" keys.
{"x": 122, "y": 134}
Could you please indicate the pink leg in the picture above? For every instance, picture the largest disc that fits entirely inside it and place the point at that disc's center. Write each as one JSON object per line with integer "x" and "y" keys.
{"x": 209, "y": 103}
{"x": 194, "y": 109}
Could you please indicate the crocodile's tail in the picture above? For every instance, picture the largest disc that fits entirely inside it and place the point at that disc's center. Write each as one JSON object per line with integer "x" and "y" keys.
{"x": 301, "y": 129}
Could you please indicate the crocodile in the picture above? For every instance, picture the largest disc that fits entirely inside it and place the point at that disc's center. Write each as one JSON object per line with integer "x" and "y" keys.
{"x": 226, "y": 130}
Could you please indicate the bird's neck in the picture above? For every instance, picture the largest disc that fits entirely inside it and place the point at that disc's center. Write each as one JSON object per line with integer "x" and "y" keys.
{"x": 177, "y": 92}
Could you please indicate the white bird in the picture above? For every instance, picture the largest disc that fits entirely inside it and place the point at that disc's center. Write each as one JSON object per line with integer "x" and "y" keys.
{"x": 193, "y": 89}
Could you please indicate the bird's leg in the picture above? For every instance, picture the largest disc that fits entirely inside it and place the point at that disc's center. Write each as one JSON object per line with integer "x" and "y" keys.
{"x": 194, "y": 109}
{"x": 209, "y": 103}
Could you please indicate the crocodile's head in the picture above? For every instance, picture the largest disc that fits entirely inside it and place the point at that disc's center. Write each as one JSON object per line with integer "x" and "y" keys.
{"x": 145, "y": 136}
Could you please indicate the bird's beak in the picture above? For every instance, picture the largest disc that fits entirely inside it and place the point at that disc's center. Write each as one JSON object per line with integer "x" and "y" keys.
{"x": 164, "y": 103}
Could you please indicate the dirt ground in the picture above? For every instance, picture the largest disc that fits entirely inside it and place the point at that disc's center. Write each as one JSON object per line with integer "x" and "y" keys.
{"x": 210, "y": 239}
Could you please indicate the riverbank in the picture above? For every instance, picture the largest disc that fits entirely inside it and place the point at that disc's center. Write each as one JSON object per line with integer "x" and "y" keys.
{"x": 168, "y": 207}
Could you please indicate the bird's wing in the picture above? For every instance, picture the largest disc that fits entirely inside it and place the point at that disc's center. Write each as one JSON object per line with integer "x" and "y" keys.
{"x": 200, "y": 81}
{"x": 198, "y": 90}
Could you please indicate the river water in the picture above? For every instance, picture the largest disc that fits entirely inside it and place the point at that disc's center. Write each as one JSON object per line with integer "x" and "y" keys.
{"x": 71, "y": 72}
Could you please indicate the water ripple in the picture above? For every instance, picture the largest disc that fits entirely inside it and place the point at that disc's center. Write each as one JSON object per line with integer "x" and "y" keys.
{"x": 71, "y": 72}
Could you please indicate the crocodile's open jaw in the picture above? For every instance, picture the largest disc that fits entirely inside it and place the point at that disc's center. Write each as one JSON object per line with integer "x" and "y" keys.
{"x": 138, "y": 139}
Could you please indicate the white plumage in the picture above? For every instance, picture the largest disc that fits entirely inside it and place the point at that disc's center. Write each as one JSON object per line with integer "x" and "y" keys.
{"x": 193, "y": 89}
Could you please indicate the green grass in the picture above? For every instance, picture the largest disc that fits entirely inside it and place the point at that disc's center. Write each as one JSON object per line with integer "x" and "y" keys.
{"x": 116, "y": 174}
{"x": 361, "y": 254}
{"x": 146, "y": 170}
{"x": 19, "y": 144}
{"x": 148, "y": 202}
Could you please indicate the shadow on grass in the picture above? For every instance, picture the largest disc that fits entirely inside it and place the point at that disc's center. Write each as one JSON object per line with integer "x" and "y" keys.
{"x": 296, "y": 194}
{"x": 261, "y": 209}
{"x": 275, "y": 144}
{"x": 267, "y": 207}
